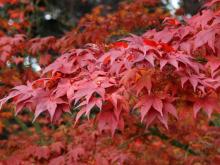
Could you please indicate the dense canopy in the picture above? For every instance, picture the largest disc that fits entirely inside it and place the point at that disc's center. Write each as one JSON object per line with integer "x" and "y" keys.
{"x": 135, "y": 74}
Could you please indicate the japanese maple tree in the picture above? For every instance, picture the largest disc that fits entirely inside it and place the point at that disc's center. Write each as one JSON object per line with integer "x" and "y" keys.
{"x": 151, "y": 73}
{"x": 157, "y": 77}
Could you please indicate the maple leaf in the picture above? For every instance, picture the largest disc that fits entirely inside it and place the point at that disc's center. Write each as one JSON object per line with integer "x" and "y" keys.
{"x": 193, "y": 79}
{"x": 146, "y": 102}
{"x": 171, "y": 21}
{"x": 21, "y": 93}
{"x": 201, "y": 20}
{"x": 214, "y": 64}
{"x": 128, "y": 75}
{"x": 164, "y": 36}
{"x": 4, "y": 100}
{"x": 144, "y": 81}
{"x": 188, "y": 61}
{"x": 110, "y": 56}
{"x": 173, "y": 60}
{"x": 150, "y": 57}
{"x": 120, "y": 103}
{"x": 87, "y": 107}
{"x": 150, "y": 42}
{"x": 107, "y": 121}
{"x": 97, "y": 84}
{"x": 119, "y": 44}
{"x": 206, "y": 36}
{"x": 49, "y": 104}
{"x": 186, "y": 46}
{"x": 199, "y": 81}
{"x": 152, "y": 107}
{"x": 167, "y": 48}
{"x": 207, "y": 103}
{"x": 58, "y": 65}
{"x": 63, "y": 87}
{"x": 133, "y": 40}
{"x": 185, "y": 32}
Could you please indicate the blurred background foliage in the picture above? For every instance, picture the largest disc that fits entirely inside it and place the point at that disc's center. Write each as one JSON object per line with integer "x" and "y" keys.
{"x": 55, "y": 17}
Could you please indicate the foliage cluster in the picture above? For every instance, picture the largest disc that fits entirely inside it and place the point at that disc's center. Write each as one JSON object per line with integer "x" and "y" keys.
{"x": 169, "y": 73}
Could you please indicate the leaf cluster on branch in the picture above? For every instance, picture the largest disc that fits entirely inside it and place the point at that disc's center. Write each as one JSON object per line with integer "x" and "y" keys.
{"x": 151, "y": 74}
{"x": 18, "y": 50}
